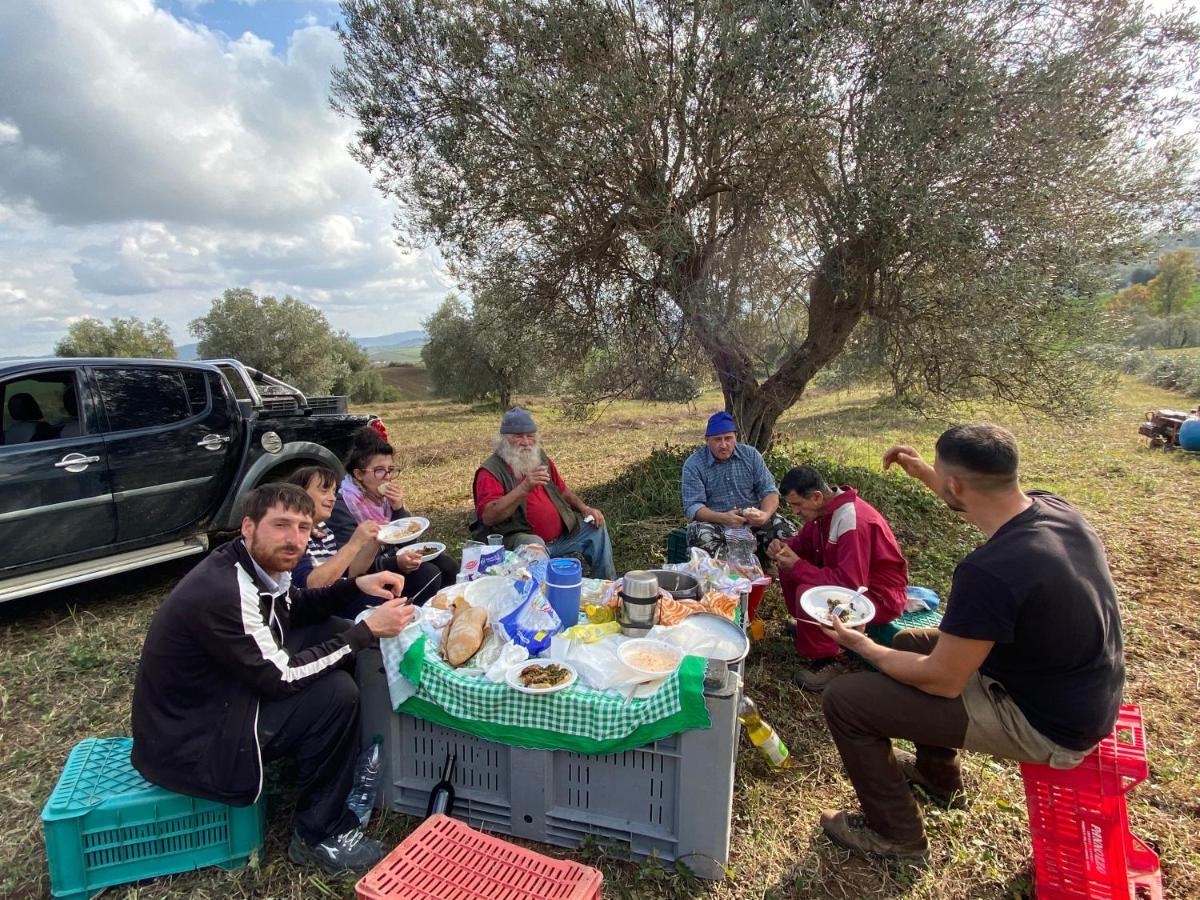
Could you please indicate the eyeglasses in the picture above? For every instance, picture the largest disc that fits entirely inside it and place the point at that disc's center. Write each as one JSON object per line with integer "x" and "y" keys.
{"x": 385, "y": 471}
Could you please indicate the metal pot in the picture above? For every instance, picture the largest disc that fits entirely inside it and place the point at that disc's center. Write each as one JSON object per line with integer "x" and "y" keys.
{"x": 679, "y": 585}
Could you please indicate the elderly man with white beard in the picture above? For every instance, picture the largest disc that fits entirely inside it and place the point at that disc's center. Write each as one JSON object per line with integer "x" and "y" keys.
{"x": 519, "y": 494}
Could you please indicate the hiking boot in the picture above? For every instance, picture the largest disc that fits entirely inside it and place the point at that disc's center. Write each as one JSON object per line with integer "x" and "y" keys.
{"x": 815, "y": 675}
{"x": 347, "y": 852}
{"x": 850, "y": 830}
{"x": 953, "y": 799}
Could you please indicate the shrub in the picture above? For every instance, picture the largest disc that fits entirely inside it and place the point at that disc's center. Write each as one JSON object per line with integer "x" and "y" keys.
{"x": 645, "y": 501}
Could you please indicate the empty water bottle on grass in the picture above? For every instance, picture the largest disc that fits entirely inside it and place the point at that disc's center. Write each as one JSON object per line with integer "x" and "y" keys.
{"x": 366, "y": 781}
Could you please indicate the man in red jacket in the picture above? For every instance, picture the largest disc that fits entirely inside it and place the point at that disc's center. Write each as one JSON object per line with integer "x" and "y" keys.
{"x": 844, "y": 541}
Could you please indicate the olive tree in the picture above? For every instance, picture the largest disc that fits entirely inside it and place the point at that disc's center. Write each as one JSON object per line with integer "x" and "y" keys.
{"x": 289, "y": 339}
{"x": 126, "y": 338}
{"x": 482, "y": 352}
{"x": 735, "y": 175}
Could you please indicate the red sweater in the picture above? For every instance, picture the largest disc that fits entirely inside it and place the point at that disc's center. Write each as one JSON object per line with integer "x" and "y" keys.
{"x": 851, "y": 545}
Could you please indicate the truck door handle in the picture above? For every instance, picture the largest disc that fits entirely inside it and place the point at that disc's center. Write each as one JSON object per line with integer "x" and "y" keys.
{"x": 75, "y": 462}
{"x": 213, "y": 441}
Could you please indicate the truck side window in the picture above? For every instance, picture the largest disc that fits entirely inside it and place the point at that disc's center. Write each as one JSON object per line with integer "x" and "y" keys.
{"x": 197, "y": 391}
{"x": 141, "y": 398}
{"x": 38, "y": 407}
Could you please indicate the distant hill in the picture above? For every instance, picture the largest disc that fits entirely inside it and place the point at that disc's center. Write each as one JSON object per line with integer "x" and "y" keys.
{"x": 400, "y": 346}
{"x": 396, "y": 339}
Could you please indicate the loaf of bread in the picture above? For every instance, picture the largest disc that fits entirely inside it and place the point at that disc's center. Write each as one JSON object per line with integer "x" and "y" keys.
{"x": 464, "y": 634}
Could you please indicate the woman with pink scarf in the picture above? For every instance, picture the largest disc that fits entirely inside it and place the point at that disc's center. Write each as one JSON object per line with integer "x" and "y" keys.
{"x": 369, "y": 493}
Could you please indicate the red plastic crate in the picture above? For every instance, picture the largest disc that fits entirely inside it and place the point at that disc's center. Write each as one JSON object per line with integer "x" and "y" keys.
{"x": 1082, "y": 847}
{"x": 447, "y": 860}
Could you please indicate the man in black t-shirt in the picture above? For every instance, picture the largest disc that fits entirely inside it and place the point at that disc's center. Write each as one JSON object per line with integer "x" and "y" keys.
{"x": 1027, "y": 663}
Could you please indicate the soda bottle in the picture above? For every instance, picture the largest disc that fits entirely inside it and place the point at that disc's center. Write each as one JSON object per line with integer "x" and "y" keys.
{"x": 366, "y": 781}
{"x": 441, "y": 798}
{"x": 762, "y": 735}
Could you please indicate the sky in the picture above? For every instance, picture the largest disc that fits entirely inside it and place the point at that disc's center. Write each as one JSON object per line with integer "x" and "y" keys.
{"x": 153, "y": 154}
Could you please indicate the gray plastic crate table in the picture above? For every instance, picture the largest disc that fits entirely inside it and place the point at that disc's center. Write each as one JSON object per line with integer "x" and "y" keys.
{"x": 671, "y": 798}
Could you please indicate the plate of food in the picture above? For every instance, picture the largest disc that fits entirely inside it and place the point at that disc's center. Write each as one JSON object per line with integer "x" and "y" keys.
{"x": 401, "y": 531}
{"x": 646, "y": 656}
{"x": 538, "y": 676}
{"x": 428, "y": 550}
{"x": 851, "y": 607}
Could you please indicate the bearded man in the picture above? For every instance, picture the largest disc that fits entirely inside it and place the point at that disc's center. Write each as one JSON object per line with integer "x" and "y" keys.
{"x": 239, "y": 667}
{"x": 519, "y": 494}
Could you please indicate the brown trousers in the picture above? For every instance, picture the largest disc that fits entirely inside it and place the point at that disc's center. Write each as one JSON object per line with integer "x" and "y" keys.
{"x": 865, "y": 710}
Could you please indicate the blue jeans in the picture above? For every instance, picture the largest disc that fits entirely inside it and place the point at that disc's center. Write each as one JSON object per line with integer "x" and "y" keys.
{"x": 588, "y": 540}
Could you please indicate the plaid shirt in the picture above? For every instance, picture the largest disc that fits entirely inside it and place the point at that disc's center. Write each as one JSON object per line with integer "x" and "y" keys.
{"x": 741, "y": 481}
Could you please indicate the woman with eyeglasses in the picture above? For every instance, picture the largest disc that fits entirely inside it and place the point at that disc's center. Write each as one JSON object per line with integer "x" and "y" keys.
{"x": 369, "y": 493}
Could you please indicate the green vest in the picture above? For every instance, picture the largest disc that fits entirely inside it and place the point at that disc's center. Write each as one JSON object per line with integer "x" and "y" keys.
{"x": 518, "y": 523}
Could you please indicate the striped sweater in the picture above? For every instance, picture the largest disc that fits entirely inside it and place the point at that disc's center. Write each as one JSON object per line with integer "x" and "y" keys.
{"x": 214, "y": 650}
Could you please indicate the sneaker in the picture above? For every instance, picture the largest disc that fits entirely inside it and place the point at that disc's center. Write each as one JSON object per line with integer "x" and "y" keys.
{"x": 955, "y": 799}
{"x": 818, "y": 673}
{"x": 850, "y": 830}
{"x": 347, "y": 852}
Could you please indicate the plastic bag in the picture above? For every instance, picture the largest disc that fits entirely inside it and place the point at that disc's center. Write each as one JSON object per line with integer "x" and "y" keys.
{"x": 433, "y": 623}
{"x": 533, "y": 622}
{"x": 498, "y": 595}
{"x": 510, "y": 654}
{"x": 490, "y": 556}
{"x": 740, "y": 558}
{"x": 599, "y": 666}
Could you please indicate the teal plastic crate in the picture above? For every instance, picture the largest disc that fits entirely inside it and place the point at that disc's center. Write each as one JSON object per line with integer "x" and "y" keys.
{"x": 105, "y": 824}
{"x": 677, "y": 548}
{"x": 886, "y": 633}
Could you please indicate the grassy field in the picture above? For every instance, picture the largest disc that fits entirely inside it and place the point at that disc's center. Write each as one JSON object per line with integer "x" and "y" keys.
{"x": 410, "y": 380}
{"x": 67, "y": 660}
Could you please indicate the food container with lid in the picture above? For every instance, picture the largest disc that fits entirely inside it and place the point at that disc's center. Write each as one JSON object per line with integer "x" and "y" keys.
{"x": 639, "y": 603}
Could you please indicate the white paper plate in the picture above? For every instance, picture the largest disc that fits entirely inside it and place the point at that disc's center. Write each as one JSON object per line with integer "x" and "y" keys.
{"x": 394, "y": 532}
{"x": 815, "y": 602}
{"x": 435, "y": 550}
{"x": 628, "y": 648}
{"x": 513, "y": 677}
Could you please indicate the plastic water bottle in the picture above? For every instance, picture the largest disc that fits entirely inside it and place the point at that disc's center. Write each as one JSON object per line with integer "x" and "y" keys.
{"x": 366, "y": 781}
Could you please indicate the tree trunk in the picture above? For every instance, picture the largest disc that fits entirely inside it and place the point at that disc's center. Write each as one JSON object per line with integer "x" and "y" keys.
{"x": 504, "y": 394}
{"x": 755, "y": 414}
{"x": 839, "y": 296}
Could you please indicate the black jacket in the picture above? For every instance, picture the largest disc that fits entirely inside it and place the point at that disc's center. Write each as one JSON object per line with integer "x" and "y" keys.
{"x": 214, "y": 650}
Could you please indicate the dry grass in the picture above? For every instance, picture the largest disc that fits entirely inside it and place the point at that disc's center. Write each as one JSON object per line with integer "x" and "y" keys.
{"x": 67, "y": 661}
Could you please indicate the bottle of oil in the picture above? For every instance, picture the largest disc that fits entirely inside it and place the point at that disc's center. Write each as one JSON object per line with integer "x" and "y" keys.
{"x": 762, "y": 735}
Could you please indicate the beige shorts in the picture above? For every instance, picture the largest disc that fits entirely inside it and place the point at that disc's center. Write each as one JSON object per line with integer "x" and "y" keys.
{"x": 997, "y": 726}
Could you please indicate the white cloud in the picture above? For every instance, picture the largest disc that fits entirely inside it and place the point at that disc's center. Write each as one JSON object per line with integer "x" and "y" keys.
{"x": 149, "y": 162}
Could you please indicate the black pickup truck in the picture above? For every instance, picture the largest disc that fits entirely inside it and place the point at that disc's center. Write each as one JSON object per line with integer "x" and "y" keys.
{"x": 108, "y": 465}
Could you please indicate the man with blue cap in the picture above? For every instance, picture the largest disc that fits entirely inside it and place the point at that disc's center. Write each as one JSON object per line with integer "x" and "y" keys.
{"x": 727, "y": 490}
{"x": 518, "y": 493}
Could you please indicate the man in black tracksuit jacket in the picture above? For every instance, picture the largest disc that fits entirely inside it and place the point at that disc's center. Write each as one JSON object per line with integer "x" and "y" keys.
{"x": 239, "y": 668}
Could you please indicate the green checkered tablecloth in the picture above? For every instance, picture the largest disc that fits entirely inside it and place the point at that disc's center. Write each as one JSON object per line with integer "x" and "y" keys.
{"x": 578, "y": 718}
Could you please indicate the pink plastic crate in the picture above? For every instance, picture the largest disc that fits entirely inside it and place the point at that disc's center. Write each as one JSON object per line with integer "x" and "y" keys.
{"x": 443, "y": 859}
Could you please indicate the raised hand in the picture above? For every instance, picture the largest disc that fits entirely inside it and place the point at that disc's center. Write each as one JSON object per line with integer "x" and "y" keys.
{"x": 365, "y": 533}
{"x": 906, "y": 458}
{"x": 394, "y": 494}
